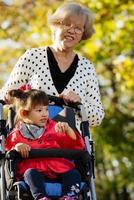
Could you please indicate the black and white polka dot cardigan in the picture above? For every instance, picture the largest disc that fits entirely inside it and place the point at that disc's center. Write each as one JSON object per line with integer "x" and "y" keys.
{"x": 33, "y": 68}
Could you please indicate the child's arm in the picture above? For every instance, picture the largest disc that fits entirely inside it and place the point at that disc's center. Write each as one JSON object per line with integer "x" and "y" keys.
{"x": 23, "y": 149}
{"x": 64, "y": 127}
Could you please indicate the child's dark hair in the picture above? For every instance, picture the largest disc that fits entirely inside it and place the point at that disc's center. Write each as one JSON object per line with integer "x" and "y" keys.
{"x": 28, "y": 99}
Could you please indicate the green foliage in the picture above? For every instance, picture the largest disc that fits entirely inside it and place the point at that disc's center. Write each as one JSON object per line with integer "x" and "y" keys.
{"x": 24, "y": 25}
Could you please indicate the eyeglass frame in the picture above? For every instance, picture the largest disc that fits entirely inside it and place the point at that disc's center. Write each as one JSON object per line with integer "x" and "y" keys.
{"x": 77, "y": 30}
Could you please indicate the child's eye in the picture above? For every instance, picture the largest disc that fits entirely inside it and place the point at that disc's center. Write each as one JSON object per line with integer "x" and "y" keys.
{"x": 39, "y": 110}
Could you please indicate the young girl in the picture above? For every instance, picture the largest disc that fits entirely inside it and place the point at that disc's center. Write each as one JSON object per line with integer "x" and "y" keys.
{"x": 35, "y": 130}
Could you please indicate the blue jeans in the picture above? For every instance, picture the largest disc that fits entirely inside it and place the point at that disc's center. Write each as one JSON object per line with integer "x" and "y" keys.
{"x": 71, "y": 182}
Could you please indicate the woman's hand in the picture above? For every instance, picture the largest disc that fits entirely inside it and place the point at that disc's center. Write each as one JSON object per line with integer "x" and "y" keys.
{"x": 70, "y": 96}
{"x": 23, "y": 149}
{"x": 8, "y": 100}
{"x": 64, "y": 127}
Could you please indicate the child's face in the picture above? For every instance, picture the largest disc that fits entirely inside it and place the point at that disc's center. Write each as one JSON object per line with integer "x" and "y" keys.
{"x": 38, "y": 115}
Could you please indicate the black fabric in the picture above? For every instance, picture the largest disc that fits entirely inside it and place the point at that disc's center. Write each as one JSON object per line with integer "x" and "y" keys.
{"x": 84, "y": 166}
{"x": 60, "y": 79}
{"x": 71, "y": 181}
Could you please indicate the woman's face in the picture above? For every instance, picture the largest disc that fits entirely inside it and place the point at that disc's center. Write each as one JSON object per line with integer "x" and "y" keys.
{"x": 68, "y": 33}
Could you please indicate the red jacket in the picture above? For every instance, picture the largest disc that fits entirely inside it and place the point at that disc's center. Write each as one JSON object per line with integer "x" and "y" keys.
{"x": 50, "y": 139}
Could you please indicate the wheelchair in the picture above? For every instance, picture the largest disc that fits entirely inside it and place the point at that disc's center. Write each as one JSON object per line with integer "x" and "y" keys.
{"x": 84, "y": 159}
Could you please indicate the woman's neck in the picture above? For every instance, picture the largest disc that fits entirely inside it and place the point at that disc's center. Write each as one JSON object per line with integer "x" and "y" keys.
{"x": 63, "y": 57}
{"x": 62, "y": 52}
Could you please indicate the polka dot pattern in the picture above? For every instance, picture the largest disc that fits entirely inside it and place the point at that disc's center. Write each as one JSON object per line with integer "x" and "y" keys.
{"x": 33, "y": 68}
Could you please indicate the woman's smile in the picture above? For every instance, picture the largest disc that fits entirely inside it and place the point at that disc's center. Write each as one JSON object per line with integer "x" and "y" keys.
{"x": 69, "y": 37}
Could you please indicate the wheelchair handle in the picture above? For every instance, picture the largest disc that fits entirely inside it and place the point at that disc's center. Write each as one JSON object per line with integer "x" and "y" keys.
{"x": 60, "y": 102}
{"x": 56, "y": 100}
{"x": 2, "y": 102}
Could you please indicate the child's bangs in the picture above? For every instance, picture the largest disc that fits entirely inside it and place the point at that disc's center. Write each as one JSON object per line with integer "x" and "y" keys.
{"x": 39, "y": 102}
{"x": 37, "y": 99}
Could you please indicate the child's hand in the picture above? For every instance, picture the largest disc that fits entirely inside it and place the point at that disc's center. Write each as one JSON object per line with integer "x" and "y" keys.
{"x": 64, "y": 127}
{"x": 23, "y": 149}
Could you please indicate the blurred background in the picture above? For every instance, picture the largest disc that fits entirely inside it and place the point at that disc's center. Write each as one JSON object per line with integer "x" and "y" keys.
{"x": 23, "y": 24}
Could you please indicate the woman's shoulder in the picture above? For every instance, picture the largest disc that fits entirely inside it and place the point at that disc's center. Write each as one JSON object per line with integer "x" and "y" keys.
{"x": 84, "y": 59}
{"x": 37, "y": 50}
{"x": 85, "y": 63}
{"x": 34, "y": 54}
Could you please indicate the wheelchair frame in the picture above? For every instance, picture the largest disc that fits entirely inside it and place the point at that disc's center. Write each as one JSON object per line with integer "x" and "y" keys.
{"x": 85, "y": 133}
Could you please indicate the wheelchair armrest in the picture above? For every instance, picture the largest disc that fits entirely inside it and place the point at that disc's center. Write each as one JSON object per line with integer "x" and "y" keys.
{"x": 50, "y": 152}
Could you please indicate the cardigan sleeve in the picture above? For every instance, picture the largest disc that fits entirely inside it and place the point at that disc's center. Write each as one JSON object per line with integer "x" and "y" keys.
{"x": 20, "y": 74}
{"x": 91, "y": 99}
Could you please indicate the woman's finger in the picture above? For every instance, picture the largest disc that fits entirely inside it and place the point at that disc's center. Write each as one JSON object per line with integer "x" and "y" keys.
{"x": 70, "y": 96}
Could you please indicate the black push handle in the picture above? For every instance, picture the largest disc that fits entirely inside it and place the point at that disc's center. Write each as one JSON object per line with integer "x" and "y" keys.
{"x": 2, "y": 102}
{"x": 60, "y": 102}
{"x": 57, "y": 101}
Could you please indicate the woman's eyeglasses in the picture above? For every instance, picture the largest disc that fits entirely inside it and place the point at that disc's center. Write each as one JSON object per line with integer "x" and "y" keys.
{"x": 77, "y": 30}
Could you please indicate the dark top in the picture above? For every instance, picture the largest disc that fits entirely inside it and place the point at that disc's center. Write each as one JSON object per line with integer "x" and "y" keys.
{"x": 61, "y": 79}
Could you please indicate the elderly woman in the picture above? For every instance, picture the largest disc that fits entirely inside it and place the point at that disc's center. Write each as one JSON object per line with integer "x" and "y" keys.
{"x": 57, "y": 69}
